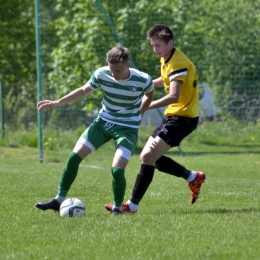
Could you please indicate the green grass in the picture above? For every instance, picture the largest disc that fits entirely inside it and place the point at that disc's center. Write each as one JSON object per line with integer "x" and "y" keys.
{"x": 208, "y": 137}
{"x": 222, "y": 224}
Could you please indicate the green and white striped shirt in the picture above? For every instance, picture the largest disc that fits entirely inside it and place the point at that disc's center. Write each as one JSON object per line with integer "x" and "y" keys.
{"x": 121, "y": 98}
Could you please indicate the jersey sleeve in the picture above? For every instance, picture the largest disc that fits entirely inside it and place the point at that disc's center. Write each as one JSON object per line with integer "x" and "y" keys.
{"x": 150, "y": 85}
{"x": 94, "y": 80}
{"x": 177, "y": 71}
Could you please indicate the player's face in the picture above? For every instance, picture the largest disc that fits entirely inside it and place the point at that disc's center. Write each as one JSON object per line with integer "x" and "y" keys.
{"x": 119, "y": 71}
{"x": 161, "y": 48}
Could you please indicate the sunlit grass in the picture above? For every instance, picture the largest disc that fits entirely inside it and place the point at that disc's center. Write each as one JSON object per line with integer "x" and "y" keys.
{"x": 222, "y": 224}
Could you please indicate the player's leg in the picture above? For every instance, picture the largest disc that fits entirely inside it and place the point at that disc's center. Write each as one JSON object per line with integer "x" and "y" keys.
{"x": 125, "y": 142}
{"x": 120, "y": 161}
{"x": 90, "y": 140}
{"x": 153, "y": 149}
{"x": 177, "y": 129}
{"x": 67, "y": 176}
{"x": 81, "y": 150}
{"x": 168, "y": 134}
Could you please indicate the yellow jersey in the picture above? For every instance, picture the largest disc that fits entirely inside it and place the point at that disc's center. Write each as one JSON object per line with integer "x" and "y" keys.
{"x": 179, "y": 67}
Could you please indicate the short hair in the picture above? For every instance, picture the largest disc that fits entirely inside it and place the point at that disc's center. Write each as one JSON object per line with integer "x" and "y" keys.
{"x": 118, "y": 55}
{"x": 160, "y": 32}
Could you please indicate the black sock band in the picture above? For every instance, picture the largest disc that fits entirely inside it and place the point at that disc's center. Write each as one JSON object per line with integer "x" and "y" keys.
{"x": 168, "y": 165}
{"x": 143, "y": 180}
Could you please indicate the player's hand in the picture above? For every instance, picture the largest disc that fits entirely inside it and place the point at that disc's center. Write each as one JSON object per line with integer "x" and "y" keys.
{"x": 46, "y": 104}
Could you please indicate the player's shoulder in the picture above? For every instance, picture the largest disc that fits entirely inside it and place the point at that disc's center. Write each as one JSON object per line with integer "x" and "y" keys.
{"x": 178, "y": 60}
{"x": 180, "y": 56}
{"x": 138, "y": 73}
{"x": 102, "y": 70}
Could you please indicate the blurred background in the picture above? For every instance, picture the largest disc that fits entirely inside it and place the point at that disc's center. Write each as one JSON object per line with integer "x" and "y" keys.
{"x": 220, "y": 37}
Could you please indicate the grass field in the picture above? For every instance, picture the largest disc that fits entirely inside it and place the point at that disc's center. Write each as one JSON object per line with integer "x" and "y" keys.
{"x": 223, "y": 224}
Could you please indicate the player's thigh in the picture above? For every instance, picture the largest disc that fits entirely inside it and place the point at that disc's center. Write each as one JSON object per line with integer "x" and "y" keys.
{"x": 125, "y": 143}
{"x": 126, "y": 137}
{"x": 174, "y": 129}
{"x": 119, "y": 161}
{"x": 153, "y": 150}
{"x": 96, "y": 134}
{"x": 81, "y": 149}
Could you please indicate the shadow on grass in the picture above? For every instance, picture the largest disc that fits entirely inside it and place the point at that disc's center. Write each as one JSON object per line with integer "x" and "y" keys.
{"x": 222, "y": 211}
{"x": 189, "y": 153}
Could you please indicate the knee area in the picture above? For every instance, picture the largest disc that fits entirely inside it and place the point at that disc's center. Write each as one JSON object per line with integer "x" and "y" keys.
{"x": 117, "y": 173}
{"x": 146, "y": 158}
{"x": 74, "y": 159}
{"x": 73, "y": 156}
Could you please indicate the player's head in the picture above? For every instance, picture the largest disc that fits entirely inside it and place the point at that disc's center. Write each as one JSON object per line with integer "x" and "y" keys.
{"x": 160, "y": 32}
{"x": 161, "y": 38}
{"x": 118, "y": 60}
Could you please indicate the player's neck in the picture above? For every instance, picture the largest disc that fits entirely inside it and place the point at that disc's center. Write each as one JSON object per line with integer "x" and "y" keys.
{"x": 127, "y": 75}
{"x": 169, "y": 55}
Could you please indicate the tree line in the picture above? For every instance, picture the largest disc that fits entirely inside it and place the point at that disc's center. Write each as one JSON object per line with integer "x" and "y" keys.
{"x": 221, "y": 38}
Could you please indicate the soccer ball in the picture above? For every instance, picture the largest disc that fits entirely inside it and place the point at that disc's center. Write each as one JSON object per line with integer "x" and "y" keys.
{"x": 72, "y": 207}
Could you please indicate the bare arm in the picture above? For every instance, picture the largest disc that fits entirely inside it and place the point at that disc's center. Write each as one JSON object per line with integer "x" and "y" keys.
{"x": 171, "y": 98}
{"x": 73, "y": 96}
{"x": 158, "y": 82}
{"x": 147, "y": 99}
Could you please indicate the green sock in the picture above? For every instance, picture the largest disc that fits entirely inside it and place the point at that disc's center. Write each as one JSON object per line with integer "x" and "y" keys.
{"x": 118, "y": 185}
{"x": 69, "y": 174}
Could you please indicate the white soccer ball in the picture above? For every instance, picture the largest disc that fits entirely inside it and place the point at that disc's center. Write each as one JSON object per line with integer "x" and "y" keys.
{"x": 72, "y": 207}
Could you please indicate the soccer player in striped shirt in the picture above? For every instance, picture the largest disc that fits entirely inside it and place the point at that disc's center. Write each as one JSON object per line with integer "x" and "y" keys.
{"x": 127, "y": 93}
{"x": 179, "y": 77}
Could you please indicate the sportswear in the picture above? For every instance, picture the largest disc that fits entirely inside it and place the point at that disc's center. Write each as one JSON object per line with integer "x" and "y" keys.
{"x": 179, "y": 67}
{"x": 121, "y": 98}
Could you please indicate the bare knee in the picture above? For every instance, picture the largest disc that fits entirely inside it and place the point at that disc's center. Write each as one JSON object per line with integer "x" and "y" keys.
{"x": 146, "y": 158}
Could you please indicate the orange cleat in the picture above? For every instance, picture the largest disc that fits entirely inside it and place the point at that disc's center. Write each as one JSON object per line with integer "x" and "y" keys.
{"x": 195, "y": 186}
{"x": 125, "y": 208}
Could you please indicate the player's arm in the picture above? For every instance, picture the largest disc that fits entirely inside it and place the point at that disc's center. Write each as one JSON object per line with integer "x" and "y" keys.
{"x": 172, "y": 97}
{"x": 73, "y": 96}
{"x": 146, "y": 101}
{"x": 158, "y": 82}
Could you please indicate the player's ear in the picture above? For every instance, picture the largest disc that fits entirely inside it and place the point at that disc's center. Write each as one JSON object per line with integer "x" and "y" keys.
{"x": 171, "y": 42}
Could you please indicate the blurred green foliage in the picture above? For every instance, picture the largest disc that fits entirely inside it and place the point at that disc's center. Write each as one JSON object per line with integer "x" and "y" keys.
{"x": 220, "y": 37}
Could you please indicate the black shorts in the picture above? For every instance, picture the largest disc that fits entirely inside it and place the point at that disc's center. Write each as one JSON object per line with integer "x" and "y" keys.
{"x": 173, "y": 129}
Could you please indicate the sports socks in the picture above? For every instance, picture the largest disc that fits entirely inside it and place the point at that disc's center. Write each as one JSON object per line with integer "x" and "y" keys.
{"x": 168, "y": 165}
{"x": 60, "y": 199}
{"x": 192, "y": 176}
{"x": 133, "y": 207}
{"x": 118, "y": 186}
{"x": 68, "y": 174}
{"x": 143, "y": 180}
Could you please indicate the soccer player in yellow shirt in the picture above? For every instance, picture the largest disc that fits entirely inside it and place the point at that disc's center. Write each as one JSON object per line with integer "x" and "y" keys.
{"x": 179, "y": 77}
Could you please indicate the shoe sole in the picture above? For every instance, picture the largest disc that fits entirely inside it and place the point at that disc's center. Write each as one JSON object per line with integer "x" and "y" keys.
{"x": 55, "y": 210}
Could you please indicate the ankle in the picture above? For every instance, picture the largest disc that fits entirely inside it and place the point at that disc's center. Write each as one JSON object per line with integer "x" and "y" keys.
{"x": 60, "y": 199}
{"x": 132, "y": 206}
{"x": 116, "y": 207}
{"x": 192, "y": 176}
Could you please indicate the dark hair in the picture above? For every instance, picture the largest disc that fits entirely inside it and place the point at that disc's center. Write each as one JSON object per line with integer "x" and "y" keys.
{"x": 118, "y": 55}
{"x": 161, "y": 32}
